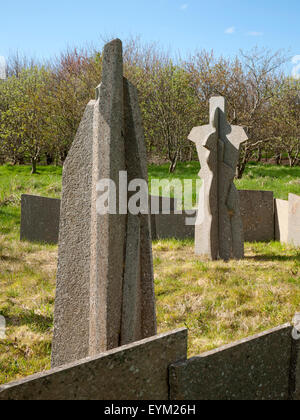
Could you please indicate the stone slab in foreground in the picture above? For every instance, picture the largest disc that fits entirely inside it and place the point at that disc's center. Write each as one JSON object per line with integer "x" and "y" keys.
{"x": 257, "y": 368}
{"x": 137, "y": 371}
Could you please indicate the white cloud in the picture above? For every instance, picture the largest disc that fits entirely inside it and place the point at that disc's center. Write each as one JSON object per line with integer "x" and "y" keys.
{"x": 184, "y": 6}
{"x": 296, "y": 68}
{"x": 2, "y": 68}
{"x": 230, "y": 30}
{"x": 255, "y": 33}
{"x": 296, "y": 59}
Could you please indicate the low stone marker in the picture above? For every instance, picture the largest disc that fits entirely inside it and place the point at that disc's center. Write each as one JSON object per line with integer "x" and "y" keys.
{"x": 39, "y": 219}
{"x": 168, "y": 226}
{"x": 137, "y": 371}
{"x": 257, "y": 211}
{"x": 253, "y": 369}
{"x": 105, "y": 287}
{"x": 281, "y": 220}
{"x": 294, "y": 220}
{"x": 219, "y": 230}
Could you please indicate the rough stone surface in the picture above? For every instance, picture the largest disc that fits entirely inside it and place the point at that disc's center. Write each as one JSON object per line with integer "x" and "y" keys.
{"x": 295, "y": 378}
{"x": 137, "y": 168}
{"x": 105, "y": 267}
{"x": 219, "y": 230}
{"x": 294, "y": 220}
{"x": 172, "y": 226}
{"x": 253, "y": 369}
{"x": 135, "y": 372}
{"x": 109, "y": 231}
{"x": 167, "y": 227}
{"x": 257, "y": 210}
{"x": 39, "y": 219}
{"x": 295, "y": 359}
{"x": 281, "y": 220}
{"x": 160, "y": 205}
{"x": 72, "y": 303}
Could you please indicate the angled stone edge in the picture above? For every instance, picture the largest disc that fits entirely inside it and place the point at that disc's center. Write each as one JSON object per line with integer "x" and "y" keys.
{"x": 201, "y": 376}
{"x": 234, "y": 344}
{"x": 172, "y": 346}
{"x": 245, "y": 340}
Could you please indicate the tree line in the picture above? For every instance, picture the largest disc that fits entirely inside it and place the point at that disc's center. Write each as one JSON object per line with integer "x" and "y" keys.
{"x": 41, "y": 104}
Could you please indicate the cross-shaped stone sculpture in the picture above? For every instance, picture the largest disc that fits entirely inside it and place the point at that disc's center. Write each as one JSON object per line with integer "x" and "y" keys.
{"x": 219, "y": 229}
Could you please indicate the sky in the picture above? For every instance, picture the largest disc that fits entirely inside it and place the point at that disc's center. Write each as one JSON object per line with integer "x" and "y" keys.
{"x": 43, "y": 28}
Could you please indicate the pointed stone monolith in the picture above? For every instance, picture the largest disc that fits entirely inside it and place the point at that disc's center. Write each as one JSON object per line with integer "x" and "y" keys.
{"x": 105, "y": 287}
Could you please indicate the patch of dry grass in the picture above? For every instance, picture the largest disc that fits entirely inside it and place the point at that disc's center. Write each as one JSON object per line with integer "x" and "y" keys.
{"x": 27, "y": 286}
{"x": 222, "y": 302}
{"x": 218, "y": 302}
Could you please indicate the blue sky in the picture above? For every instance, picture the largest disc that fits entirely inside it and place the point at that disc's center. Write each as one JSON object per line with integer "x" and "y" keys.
{"x": 45, "y": 27}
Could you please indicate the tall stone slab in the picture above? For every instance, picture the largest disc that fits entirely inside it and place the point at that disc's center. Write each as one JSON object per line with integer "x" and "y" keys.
{"x": 72, "y": 303}
{"x": 294, "y": 220}
{"x": 219, "y": 229}
{"x": 281, "y": 220}
{"x": 105, "y": 288}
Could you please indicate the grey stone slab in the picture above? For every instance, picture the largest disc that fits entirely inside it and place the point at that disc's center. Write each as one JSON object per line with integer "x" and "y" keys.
{"x": 257, "y": 210}
{"x": 281, "y": 220}
{"x": 172, "y": 226}
{"x": 162, "y": 205}
{"x": 105, "y": 269}
{"x": 109, "y": 230}
{"x": 257, "y": 368}
{"x": 173, "y": 229}
{"x": 253, "y": 203}
{"x": 72, "y": 303}
{"x": 296, "y": 372}
{"x": 39, "y": 219}
{"x": 295, "y": 360}
{"x": 131, "y": 311}
{"x": 137, "y": 168}
{"x": 294, "y": 220}
{"x": 219, "y": 230}
{"x": 135, "y": 372}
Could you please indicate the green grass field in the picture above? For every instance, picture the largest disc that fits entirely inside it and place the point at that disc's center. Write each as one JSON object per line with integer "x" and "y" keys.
{"x": 280, "y": 179}
{"x": 219, "y": 302}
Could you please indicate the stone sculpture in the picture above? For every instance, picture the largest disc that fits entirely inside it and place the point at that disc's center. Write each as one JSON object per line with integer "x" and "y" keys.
{"x": 105, "y": 288}
{"x": 219, "y": 229}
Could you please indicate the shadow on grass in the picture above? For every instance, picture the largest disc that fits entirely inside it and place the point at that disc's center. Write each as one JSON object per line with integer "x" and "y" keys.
{"x": 274, "y": 258}
{"x": 10, "y": 259}
{"x": 36, "y": 322}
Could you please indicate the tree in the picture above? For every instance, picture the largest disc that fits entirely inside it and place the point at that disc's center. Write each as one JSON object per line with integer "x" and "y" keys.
{"x": 25, "y": 123}
{"x": 170, "y": 110}
{"x": 285, "y": 120}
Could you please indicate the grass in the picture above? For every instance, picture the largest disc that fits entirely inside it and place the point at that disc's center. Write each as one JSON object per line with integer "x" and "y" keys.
{"x": 222, "y": 302}
{"x": 280, "y": 179}
{"x": 219, "y": 302}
